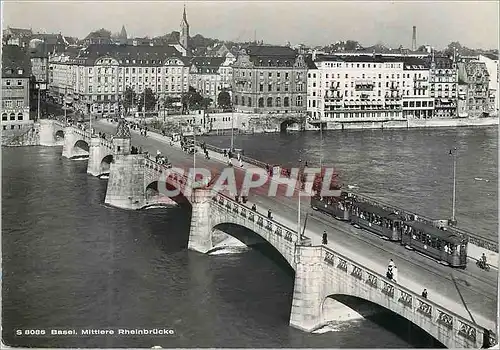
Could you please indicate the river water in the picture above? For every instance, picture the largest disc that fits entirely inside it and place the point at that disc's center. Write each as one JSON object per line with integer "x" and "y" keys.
{"x": 69, "y": 262}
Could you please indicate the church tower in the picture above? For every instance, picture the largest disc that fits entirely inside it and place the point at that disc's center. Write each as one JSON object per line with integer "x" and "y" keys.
{"x": 184, "y": 34}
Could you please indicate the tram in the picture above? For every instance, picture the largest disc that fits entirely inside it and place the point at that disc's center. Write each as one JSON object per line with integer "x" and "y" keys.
{"x": 377, "y": 220}
{"x": 447, "y": 247}
{"x": 442, "y": 245}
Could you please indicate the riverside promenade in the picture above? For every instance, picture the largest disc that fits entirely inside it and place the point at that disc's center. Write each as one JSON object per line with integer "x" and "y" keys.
{"x": 446, "y": 286}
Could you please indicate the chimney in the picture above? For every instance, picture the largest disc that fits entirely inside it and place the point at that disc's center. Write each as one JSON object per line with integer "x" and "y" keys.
{"x": 314, "y": 55}
{"x": 414, "y": 39}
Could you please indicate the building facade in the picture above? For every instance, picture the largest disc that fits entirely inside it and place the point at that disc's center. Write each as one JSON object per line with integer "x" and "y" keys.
{"x": 205, "y": 76}
{"x": 417, "y": 102}
{"x": 355, "y": 88}
{"x": 474, "y": 75}
{"x": 269, "y": 79}
{"x": 15, "y": 88}
{"x": 444, "y": 86}
{"x": 492, "y": 65}
{"x": 96, "y": 77}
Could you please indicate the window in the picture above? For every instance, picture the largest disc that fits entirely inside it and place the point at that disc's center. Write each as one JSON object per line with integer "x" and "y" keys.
{"x": 19, "y": 83}
{"x": 286, "y": 102}
{"x": 269, "y": 87}
{"x": 269, "y": 102}
{"x": 12, "y": 116}
{"x": 249, "y": 102}
{"x": 7, "y": 82}
{"x": 298, "y": 101}
{"x": 261, "y": 102}
{"x": 261, "y": 87}
{"x": 4, "y": 116}
{"x": 278, "y": 101}
{"x": 19, "y": 116}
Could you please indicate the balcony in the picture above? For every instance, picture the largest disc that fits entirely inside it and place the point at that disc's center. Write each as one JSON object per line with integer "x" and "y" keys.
{"x": 364, "y": 86}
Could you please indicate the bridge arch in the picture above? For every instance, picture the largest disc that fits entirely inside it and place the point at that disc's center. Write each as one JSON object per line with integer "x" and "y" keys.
{"x": 221, "y": 231}
{"x": 287, "y": 122}
{"x": 106, "y": 163}
{"x": 81, "y": 144}
{"x": 153, "y": 193}
{"x": 59, "y": 135}
{"x": 343, "y": 307}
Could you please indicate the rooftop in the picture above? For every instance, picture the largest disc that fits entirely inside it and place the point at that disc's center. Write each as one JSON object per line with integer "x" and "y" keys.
{"x": 15, "y": 62}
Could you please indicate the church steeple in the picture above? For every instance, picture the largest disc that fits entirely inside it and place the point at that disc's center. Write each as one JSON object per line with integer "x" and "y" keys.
{"x": 184, "y": 17}
{"x": 184, "y": 33}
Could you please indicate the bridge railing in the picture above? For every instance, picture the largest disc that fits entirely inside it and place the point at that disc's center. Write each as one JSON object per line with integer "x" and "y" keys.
{"x": 476, "y": 239}
{"x": 261, "y": 220}
{"x": 409, "y": 299}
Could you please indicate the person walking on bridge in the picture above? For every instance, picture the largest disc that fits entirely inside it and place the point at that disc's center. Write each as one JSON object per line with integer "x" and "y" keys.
{"x": 325, "y": 238}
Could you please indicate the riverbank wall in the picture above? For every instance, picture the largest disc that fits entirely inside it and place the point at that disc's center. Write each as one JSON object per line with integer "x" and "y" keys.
{"x": 27, "y": 136}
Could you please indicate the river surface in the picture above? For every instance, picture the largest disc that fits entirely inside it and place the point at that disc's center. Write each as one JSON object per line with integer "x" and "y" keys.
{"x": 69, "y": 262}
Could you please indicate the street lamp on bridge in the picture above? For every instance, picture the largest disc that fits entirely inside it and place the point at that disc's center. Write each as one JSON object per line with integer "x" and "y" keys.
{"x": 453, "y": 153}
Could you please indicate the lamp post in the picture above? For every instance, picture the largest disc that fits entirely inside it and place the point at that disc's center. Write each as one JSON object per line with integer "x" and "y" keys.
{"x": 298, "y": 219}
{"x": 64, "y": 106}
{"x": 232, "y": 122}
{"x": 320, "y": 142}
{"x": 453, "y": 153}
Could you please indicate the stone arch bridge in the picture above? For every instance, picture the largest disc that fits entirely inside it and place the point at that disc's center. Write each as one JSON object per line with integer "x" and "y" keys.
{"x": 320, "y": 272}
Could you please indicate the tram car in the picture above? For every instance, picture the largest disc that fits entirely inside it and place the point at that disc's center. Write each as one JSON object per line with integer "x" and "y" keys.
{"x": 377, "y": 220}
{"x": 447, "y": 247}
{"x": 338, "y": 207}
{"x": 442, "y": 245}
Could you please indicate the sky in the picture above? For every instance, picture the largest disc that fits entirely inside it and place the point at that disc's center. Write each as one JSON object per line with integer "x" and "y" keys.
{"x": 473, "y": 24}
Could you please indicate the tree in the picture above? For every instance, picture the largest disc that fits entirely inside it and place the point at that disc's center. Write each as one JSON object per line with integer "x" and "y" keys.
{"x": 150, "y": 100}
{"x": 206, "y": 102}
{"x": 191, "y": 100}
{"x": 129, "y": 97}
{"x": 224, "y": 99}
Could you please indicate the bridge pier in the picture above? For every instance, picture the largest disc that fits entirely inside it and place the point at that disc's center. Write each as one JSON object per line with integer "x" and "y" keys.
{"x": 99, "y": 156}
{"x": 307, "y": 292}
{"x": 200, "y": 233}
{"x": 126, "y": 182}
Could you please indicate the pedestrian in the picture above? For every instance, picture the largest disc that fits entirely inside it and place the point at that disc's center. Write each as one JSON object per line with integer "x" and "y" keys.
{"x": 254, "y": 208}
{"x": 244, "y": 199}
{"x": 424, "y": 293}
{"x": 225, "y": 153}
{"x": 239, "y": 157}
{"x": 395, "y": 274}
{"x": 389, "y": 274}
{"x": 241, "y": 163}
{"x": 269, "y": 214}
{"x": 325, "y": 238}
{"x": 391, "y": 264}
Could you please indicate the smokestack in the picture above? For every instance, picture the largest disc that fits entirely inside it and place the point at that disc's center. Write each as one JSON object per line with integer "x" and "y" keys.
{"x": 414, "y": 39}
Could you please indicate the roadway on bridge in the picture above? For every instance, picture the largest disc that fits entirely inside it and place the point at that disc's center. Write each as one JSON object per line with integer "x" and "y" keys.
{"x": 477, "y": 287}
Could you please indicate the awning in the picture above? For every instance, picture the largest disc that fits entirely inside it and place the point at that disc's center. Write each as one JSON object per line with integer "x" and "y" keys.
{"x": 445, "y": 100}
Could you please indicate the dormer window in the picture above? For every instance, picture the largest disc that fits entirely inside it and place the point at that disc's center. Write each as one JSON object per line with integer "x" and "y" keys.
{"x": 20, "y": 71}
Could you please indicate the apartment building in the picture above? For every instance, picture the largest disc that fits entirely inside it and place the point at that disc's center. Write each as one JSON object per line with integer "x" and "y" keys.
{"x": 97, "y": 76}
{"x": 269, "y": 79}
{"x": 474, "y": 81}
{"x": 355, "y": 88}
{"x": 492, "y": 66}
{"x": 443, "y": 86}
{"x": 417, "y": 102}
{"x": 15, "y": 88}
